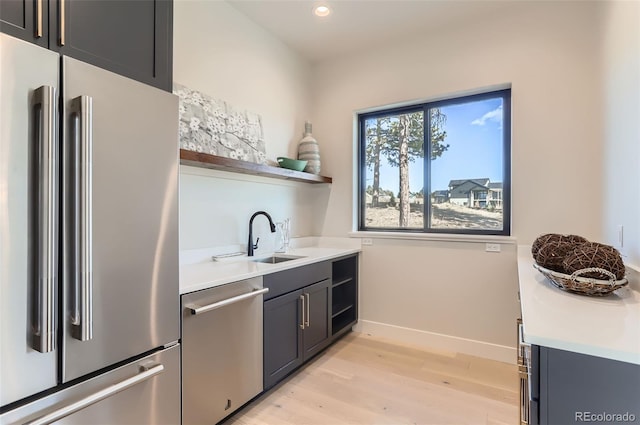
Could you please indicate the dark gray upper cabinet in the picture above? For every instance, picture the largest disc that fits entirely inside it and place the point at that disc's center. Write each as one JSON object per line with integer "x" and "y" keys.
{"x": 130, "y": 37}
{"x": 26, "y": 20}
{"x": 133, "y": 38}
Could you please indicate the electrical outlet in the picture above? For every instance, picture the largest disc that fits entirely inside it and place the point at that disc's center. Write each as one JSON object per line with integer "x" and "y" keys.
{"x": 492, "y": 247}
{"x": 620, "y": 236}
{"x": 367, "y": 241}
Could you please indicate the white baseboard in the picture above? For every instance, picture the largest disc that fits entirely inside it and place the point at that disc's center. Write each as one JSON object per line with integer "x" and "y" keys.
{"x": 437, "y": 341}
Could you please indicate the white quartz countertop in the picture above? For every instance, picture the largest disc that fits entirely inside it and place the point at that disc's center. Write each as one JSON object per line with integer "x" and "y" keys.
{"x": 606, "y": 327}
{"x": 204, "y": 275}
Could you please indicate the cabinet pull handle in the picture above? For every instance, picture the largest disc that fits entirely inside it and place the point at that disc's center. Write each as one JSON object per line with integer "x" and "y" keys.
{"x": 38, "y": 18}
{"x": 62, "y": 22}
{"x": 524, "y": 401}
{"x": 302, "y": 316}
{"x": 306, "y": 322}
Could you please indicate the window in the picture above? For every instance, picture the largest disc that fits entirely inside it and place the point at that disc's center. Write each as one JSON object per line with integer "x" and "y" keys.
{"x": 452, "y": 178}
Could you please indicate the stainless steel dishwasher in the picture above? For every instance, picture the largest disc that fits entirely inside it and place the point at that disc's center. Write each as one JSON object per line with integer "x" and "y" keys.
{"x": 221, "y": 350}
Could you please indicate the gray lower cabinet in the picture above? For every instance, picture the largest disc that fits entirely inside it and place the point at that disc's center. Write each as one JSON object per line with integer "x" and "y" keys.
{"x": 568, "y": 387}
{"x": 316, "y": 332}
{"x": 282, "y": 337}
{"x": 296, "y": 327}
{"x": 305, "y": 310}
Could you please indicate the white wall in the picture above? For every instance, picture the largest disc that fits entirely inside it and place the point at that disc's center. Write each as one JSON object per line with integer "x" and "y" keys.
{"x": 573, "y": 67}
{"x": 219, "y": 51}
{"x": 215, "y": 208}
{"x": 621, "y": 91}
{"x": 546, "y": 52}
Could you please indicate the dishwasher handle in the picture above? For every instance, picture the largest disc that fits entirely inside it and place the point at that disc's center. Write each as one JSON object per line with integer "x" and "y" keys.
{"x": 197, "y": 309}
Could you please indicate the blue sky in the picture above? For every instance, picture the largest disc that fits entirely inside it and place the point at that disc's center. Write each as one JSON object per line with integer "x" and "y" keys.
{"x": 474, "y": 135}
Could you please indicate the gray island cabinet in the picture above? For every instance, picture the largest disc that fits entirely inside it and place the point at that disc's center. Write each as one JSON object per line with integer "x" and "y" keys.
{"x": 568, "y": 388}
{"x": 300, "y": 312}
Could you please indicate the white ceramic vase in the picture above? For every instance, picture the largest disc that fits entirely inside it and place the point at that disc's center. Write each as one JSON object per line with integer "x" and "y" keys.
{"x": 308, "y": 150}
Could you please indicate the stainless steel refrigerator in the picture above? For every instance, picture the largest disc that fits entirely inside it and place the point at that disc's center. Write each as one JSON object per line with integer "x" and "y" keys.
{"x": 89, "y": 304}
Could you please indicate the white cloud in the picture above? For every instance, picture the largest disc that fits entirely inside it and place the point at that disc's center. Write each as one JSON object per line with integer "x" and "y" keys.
{"x": 495, "y": 116}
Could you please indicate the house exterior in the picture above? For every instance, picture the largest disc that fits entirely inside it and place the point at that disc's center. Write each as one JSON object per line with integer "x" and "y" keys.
{"x": 495, "y": 195}
{"x": 383, "y": 200}
{"x": 469, "y": 192}
{"x": 475, "y": 193}
{"x": 440, "y": 196}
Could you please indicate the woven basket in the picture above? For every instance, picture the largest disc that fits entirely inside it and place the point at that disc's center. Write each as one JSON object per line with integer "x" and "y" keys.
{"x": 583, "y": 285}
{"x": 552, "y": 254}
{"x": 554, "y": 237}
{"x": 592, "y": 254}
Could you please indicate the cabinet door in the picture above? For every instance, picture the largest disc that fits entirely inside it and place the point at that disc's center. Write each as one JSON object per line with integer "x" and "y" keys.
{"x": 26, "y": 20}
{"x": 317, "y": 330}
{"x": 576, "y": 387}
{"x": 129, "y": 37}
{"x": 282, "y": 336}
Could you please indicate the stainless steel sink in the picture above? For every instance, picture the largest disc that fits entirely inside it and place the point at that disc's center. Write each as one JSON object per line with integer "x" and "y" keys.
{"x": 275, "y": 259}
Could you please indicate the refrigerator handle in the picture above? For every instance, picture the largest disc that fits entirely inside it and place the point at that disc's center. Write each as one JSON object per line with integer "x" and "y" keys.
{"x": 46, "y": 194}
{"x": 82, "y": 114}
{"x": 146, "y": 372}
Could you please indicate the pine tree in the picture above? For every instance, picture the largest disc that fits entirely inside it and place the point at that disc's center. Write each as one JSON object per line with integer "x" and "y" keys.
{"x": 400, "y": 139}
{"x": 377, "y": 137}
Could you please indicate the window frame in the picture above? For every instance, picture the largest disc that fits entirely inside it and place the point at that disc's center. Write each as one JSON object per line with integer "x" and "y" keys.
{"x": 505, "y": 94}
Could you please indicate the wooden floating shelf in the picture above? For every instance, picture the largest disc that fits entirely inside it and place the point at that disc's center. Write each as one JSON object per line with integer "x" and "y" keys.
{"x": 204, "y": 160}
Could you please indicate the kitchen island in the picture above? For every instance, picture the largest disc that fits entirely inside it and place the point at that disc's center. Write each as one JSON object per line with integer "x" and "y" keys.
{"x": 607, "y": 327}
{"x": 584, "y": 356}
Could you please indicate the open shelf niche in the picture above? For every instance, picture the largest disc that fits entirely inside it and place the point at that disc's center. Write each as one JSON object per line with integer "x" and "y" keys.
{"x": 344, "y": 308}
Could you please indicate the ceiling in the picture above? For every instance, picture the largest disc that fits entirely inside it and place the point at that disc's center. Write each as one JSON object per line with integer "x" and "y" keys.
{"x": 359, "y": 24}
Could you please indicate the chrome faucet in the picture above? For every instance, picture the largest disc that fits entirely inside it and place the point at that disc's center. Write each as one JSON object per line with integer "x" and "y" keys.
{"x": 250, "y": 245}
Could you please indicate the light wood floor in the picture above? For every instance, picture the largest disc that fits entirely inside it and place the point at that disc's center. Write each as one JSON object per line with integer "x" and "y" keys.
{"x": 366, "y": 380}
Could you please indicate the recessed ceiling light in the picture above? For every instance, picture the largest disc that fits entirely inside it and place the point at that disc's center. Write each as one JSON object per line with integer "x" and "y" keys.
{"x": 322, "y": 11}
